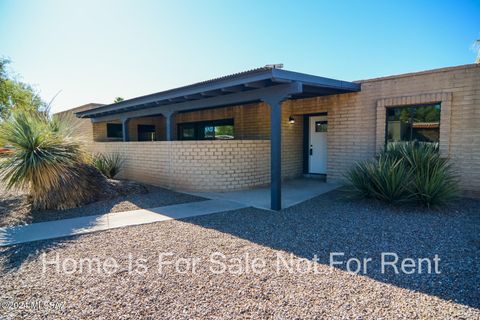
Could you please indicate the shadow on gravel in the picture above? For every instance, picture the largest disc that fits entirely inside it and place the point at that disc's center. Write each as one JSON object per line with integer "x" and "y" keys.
{"x": 13, "y": 257}
{"x": 362, "y": 229}
{"x": 13, "y": 211}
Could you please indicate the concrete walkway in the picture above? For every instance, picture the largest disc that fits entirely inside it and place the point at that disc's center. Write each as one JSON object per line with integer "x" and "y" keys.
{"x": 82, "y": 225}
{"x": 293, "y": 192}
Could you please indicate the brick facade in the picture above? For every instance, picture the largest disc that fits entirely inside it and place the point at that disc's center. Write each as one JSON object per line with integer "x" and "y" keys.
{"x": 356, "y": 126}
{"x": 194, "y": 165}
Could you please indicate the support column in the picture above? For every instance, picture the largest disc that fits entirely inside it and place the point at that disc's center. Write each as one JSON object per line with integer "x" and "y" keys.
{"x": 275, "y": 155}
{"x": 126, "y": 134}
{"x": 169, "y": 117}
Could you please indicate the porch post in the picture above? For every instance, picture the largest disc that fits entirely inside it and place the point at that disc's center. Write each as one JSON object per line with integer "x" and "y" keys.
{"x": 126, "y": 134}
{"x": 169, "y": 116}
{"x": 275, "y": 154}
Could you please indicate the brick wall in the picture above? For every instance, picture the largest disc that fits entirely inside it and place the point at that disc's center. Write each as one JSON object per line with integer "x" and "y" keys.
{"x": 357, "y": 121}
{"x": 194, "y": 165}
{"x": 250, "y": 120}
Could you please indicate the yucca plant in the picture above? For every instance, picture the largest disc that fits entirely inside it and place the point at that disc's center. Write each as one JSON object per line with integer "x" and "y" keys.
{"x": 108, "y": 164}
{"x": 359, "y": 177}
{"x": 434, "y": 181}
{"x": 406, "y": 171}
{"x": 390, "y": 179}
{"x": 47, "y": 162}
{"x": 385, "y": 178}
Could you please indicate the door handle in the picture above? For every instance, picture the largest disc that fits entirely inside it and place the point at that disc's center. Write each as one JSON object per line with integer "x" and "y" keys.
{"x": 311, "y": 150}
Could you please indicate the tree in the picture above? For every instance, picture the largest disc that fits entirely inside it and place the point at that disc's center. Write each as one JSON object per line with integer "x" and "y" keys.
{"x": 16, "y": 94}
{"x": 118, "y": 99}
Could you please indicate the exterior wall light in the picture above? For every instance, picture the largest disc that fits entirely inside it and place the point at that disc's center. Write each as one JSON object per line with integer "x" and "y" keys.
{"x": 291, "y": 120}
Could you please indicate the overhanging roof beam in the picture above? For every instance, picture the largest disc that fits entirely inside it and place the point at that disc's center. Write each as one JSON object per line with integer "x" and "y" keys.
{"x": 255, "y": 85}
{"x": 232, "y": 89}
{"x": 229, "y": 99}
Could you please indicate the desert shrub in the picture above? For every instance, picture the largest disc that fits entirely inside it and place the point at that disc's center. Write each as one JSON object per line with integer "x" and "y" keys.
{"x": 108, "y": 164}
{"x": 434, "y": 182}
{"x": 406, "y": 171}
{"x": 390, "y": 179}
{"x": 359, "y": 177}
{"x": 47, "y": 162}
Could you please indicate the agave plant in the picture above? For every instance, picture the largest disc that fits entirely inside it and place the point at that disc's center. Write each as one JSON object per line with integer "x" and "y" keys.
{"x": 108, "y": 164}
{"x": 46, "y": 162}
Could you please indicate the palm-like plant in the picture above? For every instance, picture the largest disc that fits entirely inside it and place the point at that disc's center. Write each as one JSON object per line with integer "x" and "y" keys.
{"x": 46, "y": 161}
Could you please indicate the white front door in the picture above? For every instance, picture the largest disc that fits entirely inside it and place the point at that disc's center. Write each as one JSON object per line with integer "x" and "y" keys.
{"x": 317, "y": 143}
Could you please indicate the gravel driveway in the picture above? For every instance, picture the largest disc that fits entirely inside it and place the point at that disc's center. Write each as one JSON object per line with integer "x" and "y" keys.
{"x": 320, "y": 226}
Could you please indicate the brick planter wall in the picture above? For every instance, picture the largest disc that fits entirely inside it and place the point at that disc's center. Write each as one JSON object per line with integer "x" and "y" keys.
{"x": 194, "y": 165}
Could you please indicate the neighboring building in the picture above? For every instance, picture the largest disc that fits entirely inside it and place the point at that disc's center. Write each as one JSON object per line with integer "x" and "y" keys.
{"x": 230, "y": 133}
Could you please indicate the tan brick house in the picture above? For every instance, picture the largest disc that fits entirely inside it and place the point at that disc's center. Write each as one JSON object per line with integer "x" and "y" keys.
{"x": 232, "y": 132}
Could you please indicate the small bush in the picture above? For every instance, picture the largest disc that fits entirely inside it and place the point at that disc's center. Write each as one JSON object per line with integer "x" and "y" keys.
{"x": 406, "y": 171}
{"x": 108, "y": 164}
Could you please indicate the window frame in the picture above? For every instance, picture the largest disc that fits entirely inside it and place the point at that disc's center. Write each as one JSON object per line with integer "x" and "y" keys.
{"x": 198, "y": 126}
{"x": 109, "y": 124}
{"x": 411, "y": 106}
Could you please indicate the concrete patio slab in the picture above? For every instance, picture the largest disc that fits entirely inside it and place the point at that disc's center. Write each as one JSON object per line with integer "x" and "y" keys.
{"x": 293, "y": 192}
{"x": 88, "y": 224}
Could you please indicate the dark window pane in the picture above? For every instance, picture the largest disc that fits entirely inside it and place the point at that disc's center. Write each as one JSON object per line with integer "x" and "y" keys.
{"x": 207, "y": 130}
{"x": 146, "y": 132}
{"x": 413, "y": 123}
{"x": 187, "y": 133}
{"x": 426, "y": 124}
{"x": 114, "y": 130}
{"x": 321, "y": 126}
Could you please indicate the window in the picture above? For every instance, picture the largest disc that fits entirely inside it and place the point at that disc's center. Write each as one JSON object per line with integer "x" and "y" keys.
{"x": 207, "y": 130}
{"x": 413, "y": 123}
{"x": 114, "y": 130}
{"x": 321, "y": 126}
{"x": 146, "y": 132}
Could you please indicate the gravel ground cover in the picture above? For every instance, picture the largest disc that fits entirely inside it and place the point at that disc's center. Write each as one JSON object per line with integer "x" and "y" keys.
{"x": 15, "y": 210}
{"x": 276, "y": 291}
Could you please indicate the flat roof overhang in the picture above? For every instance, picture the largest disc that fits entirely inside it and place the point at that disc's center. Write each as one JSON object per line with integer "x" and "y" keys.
{"x": 241, "y": 88}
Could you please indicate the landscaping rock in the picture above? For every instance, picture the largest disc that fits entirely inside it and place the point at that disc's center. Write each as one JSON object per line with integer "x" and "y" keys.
{"x": 319, "y": 226}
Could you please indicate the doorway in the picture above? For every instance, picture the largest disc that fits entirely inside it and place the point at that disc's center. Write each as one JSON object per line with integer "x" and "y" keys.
{"x": 317, "y": 144}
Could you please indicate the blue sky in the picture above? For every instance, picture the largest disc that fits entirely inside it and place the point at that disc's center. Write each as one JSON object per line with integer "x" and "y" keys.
{"x": 94, "y": 51}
